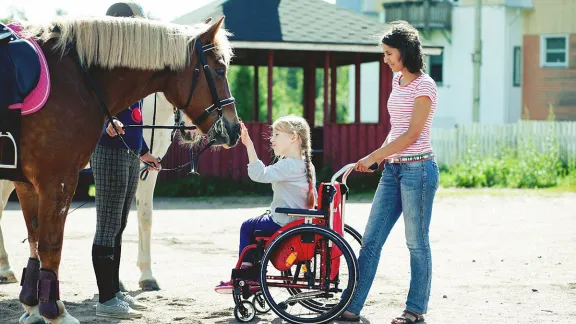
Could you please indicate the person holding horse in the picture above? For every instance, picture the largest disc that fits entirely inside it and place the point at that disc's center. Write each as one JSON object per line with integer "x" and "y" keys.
{"x": 292, "y": 178}
{"x": 115, "y": 164}
{"x": 410, "y": 177}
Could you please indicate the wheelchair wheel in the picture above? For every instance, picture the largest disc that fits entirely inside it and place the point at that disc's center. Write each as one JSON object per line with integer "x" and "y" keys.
{"x": 354, "y": 239}
{"x": 244, "y": 312}
{"x": 260, "y": 304}
{"x": 302, "y": 267}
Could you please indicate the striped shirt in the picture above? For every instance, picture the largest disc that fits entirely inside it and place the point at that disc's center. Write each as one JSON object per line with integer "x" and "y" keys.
{"x": 401, "y": 106}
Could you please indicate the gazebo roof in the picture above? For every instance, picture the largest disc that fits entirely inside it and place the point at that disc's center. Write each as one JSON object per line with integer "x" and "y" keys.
{"x": 294, "y": 27}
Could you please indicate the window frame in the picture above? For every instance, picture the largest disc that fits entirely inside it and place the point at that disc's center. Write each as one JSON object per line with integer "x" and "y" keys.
{"x": 517, "y": 66}
{"x": 544, "y": 50}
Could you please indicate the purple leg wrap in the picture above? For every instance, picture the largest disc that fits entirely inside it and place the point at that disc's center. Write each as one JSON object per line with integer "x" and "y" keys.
{"x": 48, "y": 293}
{"x": 29, "y": 283}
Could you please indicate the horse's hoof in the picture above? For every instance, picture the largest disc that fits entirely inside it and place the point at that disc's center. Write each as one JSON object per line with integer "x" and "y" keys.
{"x": 149, "y": 285}
{"x": 7, "y": 277}
{"x": 31, "y": 318}
{"x": 64, "y": 318}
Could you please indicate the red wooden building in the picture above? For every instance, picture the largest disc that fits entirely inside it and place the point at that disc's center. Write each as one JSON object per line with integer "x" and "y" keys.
{"x": 308, "y": 34}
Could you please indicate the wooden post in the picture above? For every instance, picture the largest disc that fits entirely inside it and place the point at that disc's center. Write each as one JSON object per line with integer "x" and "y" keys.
{"x": 326, "y": 86}
{"x": 312, "y": 91}
{"x": 357, "y": 92}
{"x": 256, "y": 96}
{"x": 270, "y": 83}
{"x": 333, "y": 83}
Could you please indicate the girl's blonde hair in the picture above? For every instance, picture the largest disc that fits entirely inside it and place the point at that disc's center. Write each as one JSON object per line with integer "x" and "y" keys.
{"x": 292, "y": 124}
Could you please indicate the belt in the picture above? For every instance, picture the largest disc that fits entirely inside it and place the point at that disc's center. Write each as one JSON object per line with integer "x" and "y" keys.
{"x": 411, "y": 158}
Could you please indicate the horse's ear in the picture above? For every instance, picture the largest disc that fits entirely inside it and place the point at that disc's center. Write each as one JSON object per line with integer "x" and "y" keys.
{"x": 208, "y": 20}
{"x": 213, "y": 30}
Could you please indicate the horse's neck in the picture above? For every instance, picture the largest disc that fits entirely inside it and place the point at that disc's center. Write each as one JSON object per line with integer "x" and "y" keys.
{"x": 123, "y": 87}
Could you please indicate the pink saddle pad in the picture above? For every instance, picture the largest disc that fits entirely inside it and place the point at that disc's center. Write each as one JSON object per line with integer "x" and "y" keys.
{"x": 37, "y": 98}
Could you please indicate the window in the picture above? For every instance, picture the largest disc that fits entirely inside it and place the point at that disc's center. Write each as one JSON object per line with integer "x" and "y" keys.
{"x": 435, "y": 68}
{"x": 517, "y": 72}
{"x": 554, "y": 51}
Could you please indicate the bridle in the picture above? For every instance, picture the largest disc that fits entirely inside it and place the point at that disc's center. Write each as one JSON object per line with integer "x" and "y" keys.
{"x": 217, "y": 105}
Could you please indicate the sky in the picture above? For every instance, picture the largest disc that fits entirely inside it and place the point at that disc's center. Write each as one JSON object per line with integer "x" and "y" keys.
{"x": 43, "y": 11}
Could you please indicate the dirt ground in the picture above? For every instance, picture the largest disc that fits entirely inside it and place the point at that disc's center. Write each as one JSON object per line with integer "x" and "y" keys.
{"x": 507, "y": 257}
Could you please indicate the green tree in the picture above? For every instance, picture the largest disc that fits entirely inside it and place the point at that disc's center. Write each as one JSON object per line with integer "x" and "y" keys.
{"x": 14, "y": 14}
{"x": 241, "y": 85}
{"x": 287, "y": 90}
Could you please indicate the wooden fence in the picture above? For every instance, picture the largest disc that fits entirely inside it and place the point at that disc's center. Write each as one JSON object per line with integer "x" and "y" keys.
{"x": 452, "y": 145}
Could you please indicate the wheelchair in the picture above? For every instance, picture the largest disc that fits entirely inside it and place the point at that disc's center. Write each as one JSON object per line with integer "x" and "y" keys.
{"x": 306, "y": 272}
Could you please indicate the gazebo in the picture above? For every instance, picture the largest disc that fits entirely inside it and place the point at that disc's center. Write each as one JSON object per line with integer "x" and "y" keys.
{"x": 308, "y": 34}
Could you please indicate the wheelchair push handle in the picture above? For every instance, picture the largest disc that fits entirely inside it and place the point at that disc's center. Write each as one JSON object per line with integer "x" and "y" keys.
{"x": 346, "y": 170}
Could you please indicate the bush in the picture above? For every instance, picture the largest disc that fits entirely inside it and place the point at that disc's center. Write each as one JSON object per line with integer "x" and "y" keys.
{"x": 524, "y": 167}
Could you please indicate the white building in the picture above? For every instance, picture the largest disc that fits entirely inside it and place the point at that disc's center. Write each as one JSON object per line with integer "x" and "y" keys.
{"x": 452, "y": 26}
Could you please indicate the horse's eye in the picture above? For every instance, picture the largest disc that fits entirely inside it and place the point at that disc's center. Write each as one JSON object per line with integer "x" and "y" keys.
{"x": 220, "y": 72}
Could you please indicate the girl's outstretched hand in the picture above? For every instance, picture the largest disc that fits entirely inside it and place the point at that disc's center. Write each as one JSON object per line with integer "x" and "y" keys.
{"x": 244, "y": 136}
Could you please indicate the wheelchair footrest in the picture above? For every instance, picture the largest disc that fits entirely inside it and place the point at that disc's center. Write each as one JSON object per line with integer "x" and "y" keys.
{"x": 249, "y": 273}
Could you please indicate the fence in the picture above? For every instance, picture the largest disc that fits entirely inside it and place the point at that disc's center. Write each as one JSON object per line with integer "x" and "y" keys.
{"x": 451, "y": 145}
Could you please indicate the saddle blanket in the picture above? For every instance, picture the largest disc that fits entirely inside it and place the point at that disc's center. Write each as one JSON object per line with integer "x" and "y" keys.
{"x": 38, "y": 95}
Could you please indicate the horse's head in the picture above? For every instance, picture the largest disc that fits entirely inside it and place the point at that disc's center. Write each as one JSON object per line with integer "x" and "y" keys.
{"x": 201, "y": 90}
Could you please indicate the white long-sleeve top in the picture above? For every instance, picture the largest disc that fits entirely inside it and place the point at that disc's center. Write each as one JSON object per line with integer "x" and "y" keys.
{"x": 289, "y": 183}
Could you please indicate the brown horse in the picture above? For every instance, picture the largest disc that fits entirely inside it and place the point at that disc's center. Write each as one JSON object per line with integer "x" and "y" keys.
{"x": 125, "y": 60}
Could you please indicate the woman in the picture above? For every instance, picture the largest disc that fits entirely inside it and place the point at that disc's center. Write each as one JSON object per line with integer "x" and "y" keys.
{"x": 410, "y": 177}
{"x": 116, "y": 178}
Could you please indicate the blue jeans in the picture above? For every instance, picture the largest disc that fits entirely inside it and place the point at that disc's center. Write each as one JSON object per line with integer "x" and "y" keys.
{"x": 263, "y": 223}
{"x": 409, "y": 189}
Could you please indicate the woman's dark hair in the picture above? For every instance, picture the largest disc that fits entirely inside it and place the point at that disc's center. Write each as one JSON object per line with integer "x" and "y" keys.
{"x": 404, "y": 37}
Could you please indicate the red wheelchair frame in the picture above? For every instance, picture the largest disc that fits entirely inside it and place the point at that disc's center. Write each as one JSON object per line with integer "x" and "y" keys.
{"x": 318, "y": 233}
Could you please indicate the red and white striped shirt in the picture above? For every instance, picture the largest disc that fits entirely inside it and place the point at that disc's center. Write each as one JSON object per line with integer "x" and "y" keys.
{"x": 400, "y": 107}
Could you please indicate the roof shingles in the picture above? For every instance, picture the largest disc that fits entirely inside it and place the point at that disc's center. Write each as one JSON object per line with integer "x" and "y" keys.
{"x": 298, "y": 21}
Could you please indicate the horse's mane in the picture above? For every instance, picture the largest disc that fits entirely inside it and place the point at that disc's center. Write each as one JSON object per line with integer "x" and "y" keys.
{"x": 111, "y": 42}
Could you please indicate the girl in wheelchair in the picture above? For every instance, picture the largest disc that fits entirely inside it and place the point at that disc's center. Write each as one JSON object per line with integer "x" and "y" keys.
{"x": 292, "y": 179}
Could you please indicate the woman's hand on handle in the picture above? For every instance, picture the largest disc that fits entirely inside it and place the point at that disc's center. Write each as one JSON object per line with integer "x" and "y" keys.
{"x": 367, "y": 164}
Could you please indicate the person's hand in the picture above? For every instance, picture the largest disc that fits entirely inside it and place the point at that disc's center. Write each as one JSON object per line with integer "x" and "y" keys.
{"x": 110, "y": 129}
{"x": 244, "y": 136}
{"x": 153, "y": 160}
{"x": 364, "y": 164}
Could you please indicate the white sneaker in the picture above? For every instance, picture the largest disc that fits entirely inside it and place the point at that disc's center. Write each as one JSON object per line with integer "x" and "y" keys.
{"x": 119, "y": 309}
{"x": 131, "y": 301}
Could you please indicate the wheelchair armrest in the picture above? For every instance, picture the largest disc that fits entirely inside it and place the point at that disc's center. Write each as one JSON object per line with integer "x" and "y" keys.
{"x": 300, "y": 212}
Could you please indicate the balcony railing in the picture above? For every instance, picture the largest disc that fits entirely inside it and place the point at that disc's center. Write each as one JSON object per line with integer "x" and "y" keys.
{"x": 423, "y": 14}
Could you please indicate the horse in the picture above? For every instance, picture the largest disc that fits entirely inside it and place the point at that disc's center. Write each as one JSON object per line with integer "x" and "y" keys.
{"x": 162, "y": 114}
{"x": 105, "y": 64}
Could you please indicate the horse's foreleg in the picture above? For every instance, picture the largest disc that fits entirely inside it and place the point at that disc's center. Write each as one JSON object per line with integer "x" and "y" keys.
{"x": 29, "y": 292}
{"x": 6, "y": 273}
{"x": 54, "y": 202}
{"x": 144, "y": 197}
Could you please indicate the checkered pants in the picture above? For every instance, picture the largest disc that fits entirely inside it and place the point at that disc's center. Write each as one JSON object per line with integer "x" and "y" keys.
{"x": 116, "y": 179}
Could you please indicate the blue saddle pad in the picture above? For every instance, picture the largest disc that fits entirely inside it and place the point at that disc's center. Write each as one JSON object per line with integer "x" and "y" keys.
{"x": 19, "y": 68}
